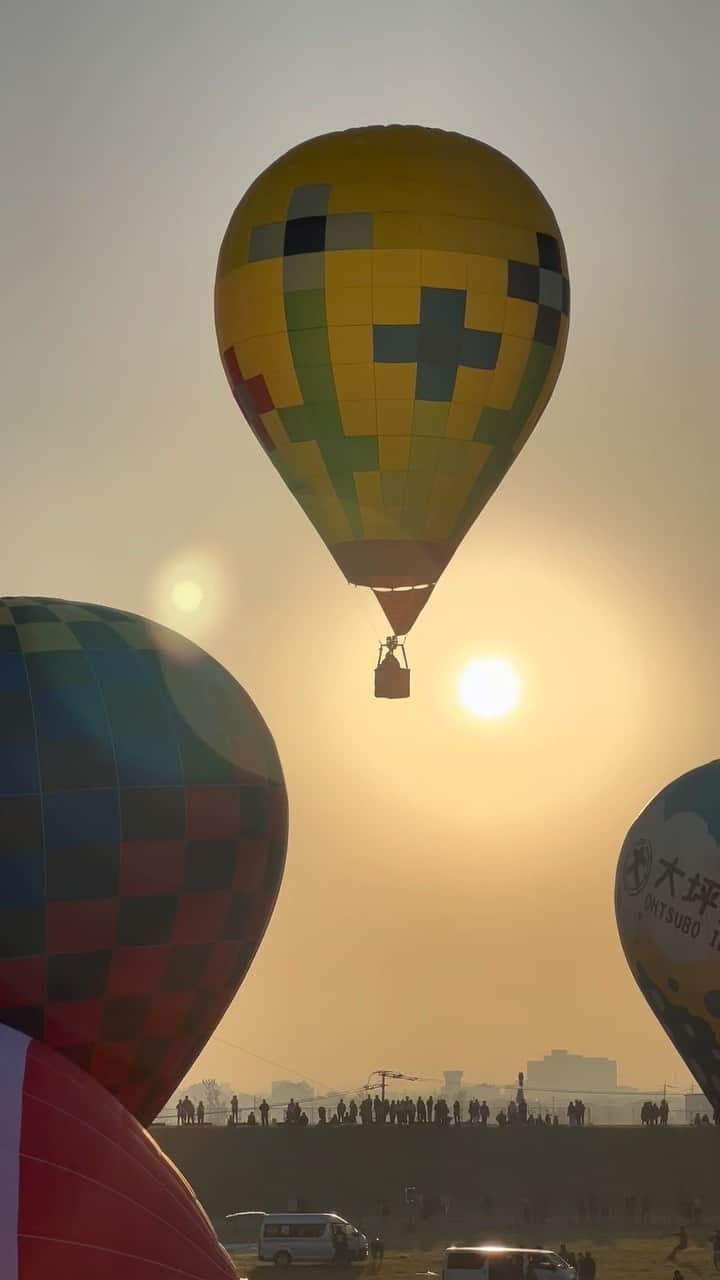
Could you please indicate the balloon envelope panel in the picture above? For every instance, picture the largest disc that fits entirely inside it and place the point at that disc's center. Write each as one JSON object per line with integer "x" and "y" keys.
{"x": 392, "y": 311}
{"x": 143, "y": 827}
{"x": 667, "y": 903}
{"x": 86, "y": 1193}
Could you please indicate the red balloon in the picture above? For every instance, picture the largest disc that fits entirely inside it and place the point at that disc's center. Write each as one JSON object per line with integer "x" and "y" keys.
{"x": 85, "y": 1192}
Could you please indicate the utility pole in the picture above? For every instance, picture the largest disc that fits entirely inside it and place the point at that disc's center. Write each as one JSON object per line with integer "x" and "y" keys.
{"x": 383, "y": 1077}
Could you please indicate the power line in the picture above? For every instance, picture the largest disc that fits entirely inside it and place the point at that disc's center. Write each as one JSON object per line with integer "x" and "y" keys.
{"x": 292, "y": 1071}
{"x": 586, "y": 1093}
{"x": 330, "y": 1091}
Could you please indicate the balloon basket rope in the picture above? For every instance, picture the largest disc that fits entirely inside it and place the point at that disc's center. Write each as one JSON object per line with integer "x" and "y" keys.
{"x": 392, "y": 673}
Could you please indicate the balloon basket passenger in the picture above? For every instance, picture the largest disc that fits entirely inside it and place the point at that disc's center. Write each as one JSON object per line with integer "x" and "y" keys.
{"x": 392, "y": 677}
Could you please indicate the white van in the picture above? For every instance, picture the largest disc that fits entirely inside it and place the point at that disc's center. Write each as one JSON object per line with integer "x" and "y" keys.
{"x": 498, "y": 1262}
{"x": 310, "y": 1237}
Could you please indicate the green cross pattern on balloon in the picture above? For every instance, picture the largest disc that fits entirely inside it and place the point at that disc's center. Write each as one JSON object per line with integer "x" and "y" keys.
{"x": 143, "y": 828}
{"x": 392, "y": 309}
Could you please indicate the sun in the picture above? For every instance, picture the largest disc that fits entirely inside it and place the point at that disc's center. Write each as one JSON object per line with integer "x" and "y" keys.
{"x": 489, "y": 688}
{"x": 187, "y": 596}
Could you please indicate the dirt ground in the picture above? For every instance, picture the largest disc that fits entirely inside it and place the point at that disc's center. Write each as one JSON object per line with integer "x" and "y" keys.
{"x": 622, "y": 1259}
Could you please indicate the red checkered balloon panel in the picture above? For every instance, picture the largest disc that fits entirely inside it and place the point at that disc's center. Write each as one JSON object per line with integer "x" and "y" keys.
{"x": 143, "y": 828}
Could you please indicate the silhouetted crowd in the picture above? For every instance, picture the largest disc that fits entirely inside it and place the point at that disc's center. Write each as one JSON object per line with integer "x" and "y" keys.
{"x": 400, "y": 1111}
{"x": 406, "y": 1111}
{"x": 188, "y": 1113}
{"x": 652, "y": 1114}
{"x": 576, "y": 1112}
{"x": 293, "y": 1114}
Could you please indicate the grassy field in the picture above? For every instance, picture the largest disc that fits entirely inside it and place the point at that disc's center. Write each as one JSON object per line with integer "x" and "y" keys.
{"x": 622, "y": 1259}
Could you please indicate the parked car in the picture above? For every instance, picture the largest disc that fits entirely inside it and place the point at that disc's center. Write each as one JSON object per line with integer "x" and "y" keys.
{"x": 308, "y": 1237}
{"x": 502, "y": 1262}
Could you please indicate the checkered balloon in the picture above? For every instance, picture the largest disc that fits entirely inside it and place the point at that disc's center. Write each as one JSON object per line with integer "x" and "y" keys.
{"x": 143, "y": 828}
{"x": 392, "y": 312}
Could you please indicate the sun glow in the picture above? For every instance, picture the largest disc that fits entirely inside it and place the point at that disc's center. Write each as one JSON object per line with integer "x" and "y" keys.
{"x": 187, "y": 596}
{"x": 489, "y": 688}
{"x": 190, "y": 592}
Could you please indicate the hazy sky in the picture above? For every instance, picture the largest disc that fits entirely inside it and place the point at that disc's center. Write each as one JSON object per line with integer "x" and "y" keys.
{"x": 448, "y": 894}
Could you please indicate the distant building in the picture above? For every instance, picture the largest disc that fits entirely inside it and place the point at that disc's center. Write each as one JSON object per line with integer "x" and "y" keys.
{"x": 284, "y": 1090}
{"x": 565, "y": 1072}
{"x": 453, "y": 1083}
{"x": 697, "y": 1104}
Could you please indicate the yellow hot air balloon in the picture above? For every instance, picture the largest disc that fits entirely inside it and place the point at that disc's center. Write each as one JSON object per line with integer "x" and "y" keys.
{"x": 391, "y": 308}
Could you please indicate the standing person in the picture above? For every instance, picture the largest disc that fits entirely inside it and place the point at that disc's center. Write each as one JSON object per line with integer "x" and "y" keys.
{"x": 340, "y": 1245}
{"x": 421, "y": 1112}
{"x": 201, "y": 1112}
{"x": 341, "y": 1113}
{"x": 587, "y": 1267}
{"x": 190, "y": 1107}
{"x": 484, "y": 1112}
{"x": 352, "y": 1112}
{"x": 681, "y": 1246}
{"x": 456, "y": 1111}
{"x": 264, "y": 1113}
{"x": 234, "y": 1108}
{"x": 179, "y": 1110}
{"x": 430, "y": 1104}
{"x": 571, "y": 1113}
